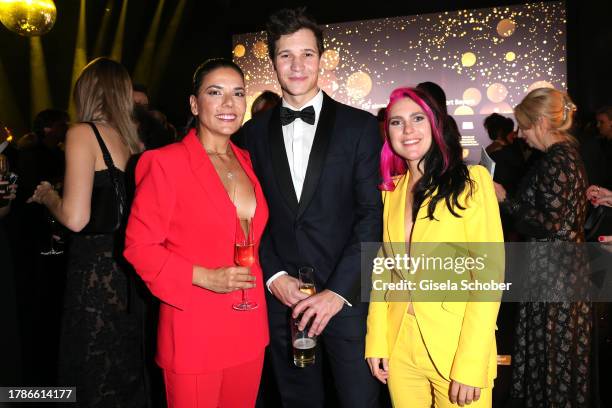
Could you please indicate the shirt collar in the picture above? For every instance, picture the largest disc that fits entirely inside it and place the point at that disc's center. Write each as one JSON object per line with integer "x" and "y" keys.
{"x": 316, "y": 102}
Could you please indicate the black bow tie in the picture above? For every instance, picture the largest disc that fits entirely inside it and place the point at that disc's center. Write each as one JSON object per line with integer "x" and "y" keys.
{"x": 289, "y": 115}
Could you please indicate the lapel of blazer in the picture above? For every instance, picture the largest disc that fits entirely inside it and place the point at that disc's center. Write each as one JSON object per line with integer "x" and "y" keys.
{"x": 395, "y": 222}
{"x": 261, "y": 208}
{"x": 396, "y": 230}
{"x": 208, "y": 179}
{"x": 280, "y": 163}
{"x": 318, "y": 153}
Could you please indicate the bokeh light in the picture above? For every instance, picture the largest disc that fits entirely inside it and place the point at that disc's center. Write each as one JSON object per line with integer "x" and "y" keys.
{"x": 330, "y": 60}
{"x": 239, "y": 51}
{"x": 506, "y": 27}
{"x": 358, "y": 85}
{"x": 472, "y": 96}
{"x": 497, "y": 92}
{"x": 260, "y": 49}
{"x": 468, "y": 59}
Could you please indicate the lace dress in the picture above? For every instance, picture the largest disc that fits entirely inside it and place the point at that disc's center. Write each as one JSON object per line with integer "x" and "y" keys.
{"x": 101, "y": 346}
{"x": 552, "y": 353}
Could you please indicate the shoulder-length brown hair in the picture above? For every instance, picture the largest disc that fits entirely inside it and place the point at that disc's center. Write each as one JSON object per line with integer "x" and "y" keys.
{"x": 103, "y": 92}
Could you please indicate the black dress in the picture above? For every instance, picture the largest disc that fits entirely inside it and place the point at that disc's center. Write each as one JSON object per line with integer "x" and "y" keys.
{"x": 10, "y": 341}
{"x": 101, "y": 339}
{"x": 552, "y": 353}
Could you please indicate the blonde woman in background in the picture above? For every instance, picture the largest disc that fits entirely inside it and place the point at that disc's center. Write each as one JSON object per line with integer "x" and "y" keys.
{"x": 552, "y": 356}
{"x": 100, "y": 345}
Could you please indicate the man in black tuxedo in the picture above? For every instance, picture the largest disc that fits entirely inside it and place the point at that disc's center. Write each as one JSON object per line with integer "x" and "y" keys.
{"x": 318, "y": 163}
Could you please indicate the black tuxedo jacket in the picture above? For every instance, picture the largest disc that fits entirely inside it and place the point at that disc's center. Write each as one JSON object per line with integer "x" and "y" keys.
{"x": 340, "y": 206}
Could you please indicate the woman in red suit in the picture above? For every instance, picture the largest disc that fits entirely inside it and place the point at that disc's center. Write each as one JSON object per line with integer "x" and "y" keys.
{"x": 180, "y": 238}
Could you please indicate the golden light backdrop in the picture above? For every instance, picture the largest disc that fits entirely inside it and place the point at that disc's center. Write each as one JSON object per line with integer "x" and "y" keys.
{"x": 35, "y": 18}
{"x": 485, "y": 59}
{"x": 28, "y": 18}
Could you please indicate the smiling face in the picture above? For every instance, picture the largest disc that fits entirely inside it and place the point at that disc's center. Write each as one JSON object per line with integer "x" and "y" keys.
{"x": 409, "y": 130}
{"x": 220, "y": 103}
{"x": 296, "y": 63}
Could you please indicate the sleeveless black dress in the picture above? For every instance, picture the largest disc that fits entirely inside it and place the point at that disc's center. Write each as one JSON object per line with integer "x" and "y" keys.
{"x": 101, "y": 347}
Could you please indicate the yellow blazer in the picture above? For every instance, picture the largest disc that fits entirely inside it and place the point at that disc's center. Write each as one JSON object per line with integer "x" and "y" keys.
{"x": 459, "y": 336}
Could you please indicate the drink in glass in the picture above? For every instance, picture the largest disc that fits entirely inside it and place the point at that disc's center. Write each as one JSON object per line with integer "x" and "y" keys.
{"x": 244, "y": 255}
{"x": 306, "y": 280}
{"x": 304, "y": 346}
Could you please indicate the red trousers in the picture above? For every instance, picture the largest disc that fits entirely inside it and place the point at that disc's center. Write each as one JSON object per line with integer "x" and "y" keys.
{"x": 233, "y": 387}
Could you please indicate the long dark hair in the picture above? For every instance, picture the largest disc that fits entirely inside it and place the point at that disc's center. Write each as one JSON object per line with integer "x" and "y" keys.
{"x": 200, "y": 73}
{"x": 445, "y": 175}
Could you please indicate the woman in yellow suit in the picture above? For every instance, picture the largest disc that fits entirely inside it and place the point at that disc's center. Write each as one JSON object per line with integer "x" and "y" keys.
{"x": 434, "y": 352}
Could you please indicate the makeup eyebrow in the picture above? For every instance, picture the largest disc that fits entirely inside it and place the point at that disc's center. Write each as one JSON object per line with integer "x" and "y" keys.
{"x": 214, "y": 86}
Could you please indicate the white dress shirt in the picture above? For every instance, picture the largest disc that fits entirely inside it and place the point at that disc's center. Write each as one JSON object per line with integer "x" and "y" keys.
{"x": 299, "y": 137}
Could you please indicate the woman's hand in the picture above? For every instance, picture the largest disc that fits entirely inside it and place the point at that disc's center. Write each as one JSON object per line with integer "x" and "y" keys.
{"x": 500, "y": 192}
{"x": 7, "y": 195}
{"x": 462, "y": 394}
{"x": 379, "y": 368}
{"x": 7, "y": 191}
{"x": 599, "y": 196}
{"x": 607, "y": 241}
{"x": 223, "y": 280}
{"x": 42, "y": 193}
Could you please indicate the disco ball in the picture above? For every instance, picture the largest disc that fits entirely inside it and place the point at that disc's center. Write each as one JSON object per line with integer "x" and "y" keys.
{"x": 28, "y": 18}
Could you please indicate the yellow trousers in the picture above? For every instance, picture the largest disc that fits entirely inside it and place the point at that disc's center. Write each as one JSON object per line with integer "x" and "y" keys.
{"x": 414, "y": 381}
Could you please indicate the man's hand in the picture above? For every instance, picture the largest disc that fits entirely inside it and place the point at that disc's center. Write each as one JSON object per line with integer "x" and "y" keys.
{"x": 320, "y": 307}
{"x": 287, "y": 290}
{"x": 462, "y": 394}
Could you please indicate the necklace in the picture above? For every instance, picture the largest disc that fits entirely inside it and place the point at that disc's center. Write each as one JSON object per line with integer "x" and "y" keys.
{"x": 228, "y": 173}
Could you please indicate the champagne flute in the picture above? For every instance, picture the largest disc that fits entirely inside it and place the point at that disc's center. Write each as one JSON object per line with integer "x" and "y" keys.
{"x": 306, "y": 280}
{"x": 244, "y": 255}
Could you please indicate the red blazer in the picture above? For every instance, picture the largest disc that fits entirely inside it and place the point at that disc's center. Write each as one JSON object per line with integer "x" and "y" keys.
{"x": 182, "y": 216}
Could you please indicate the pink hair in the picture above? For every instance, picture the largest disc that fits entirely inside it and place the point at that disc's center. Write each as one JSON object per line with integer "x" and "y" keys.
{"x": 392, "y": 164}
